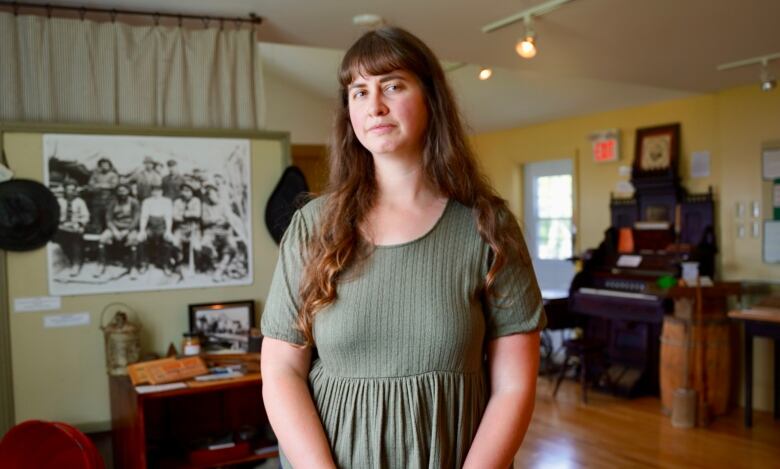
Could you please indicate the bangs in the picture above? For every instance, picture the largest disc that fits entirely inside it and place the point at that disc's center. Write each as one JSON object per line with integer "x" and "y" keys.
{"x": 373, "y": 55}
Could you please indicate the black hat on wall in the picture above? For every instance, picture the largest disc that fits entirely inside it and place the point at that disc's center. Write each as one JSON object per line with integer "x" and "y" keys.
{"x": 288, "y": 195}
{"x": 29, "y": 215}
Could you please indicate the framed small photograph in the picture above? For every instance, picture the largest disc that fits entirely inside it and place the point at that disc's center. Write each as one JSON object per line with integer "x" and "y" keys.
{"x": 657, "y": 149}
{"x": 224, "y": 327}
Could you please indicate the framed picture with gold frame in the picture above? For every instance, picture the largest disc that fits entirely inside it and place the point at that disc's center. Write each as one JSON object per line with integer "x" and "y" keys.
{"x": 657, "y": 150}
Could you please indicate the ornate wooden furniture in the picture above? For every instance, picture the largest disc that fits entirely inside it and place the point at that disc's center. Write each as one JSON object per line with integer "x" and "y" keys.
{"x": 619, "y": 291}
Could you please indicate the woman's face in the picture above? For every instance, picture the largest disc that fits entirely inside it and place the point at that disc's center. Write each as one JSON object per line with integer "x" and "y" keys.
{"x": 388, "y": 113}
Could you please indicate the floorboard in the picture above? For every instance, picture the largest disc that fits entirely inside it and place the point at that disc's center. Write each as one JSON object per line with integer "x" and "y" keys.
{"x": 611, "y": 432}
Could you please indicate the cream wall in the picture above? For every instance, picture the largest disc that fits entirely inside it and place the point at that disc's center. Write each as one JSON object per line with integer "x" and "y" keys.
{"x": 292, "y": 109}
{"x": 731, "y": 125}
{"x": 59, "y": 374}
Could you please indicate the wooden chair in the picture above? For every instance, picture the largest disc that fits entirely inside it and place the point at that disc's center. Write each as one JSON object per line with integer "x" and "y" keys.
{"x": 35, "y": 444}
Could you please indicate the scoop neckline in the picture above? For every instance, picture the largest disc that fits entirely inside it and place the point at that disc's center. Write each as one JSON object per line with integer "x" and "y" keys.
{"x": 421, "y": 237}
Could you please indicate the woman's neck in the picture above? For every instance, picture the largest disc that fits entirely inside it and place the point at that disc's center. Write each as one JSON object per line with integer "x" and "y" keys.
{"x": 401, "y": 182}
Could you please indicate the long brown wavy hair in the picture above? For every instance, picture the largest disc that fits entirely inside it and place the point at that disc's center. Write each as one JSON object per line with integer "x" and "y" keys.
{"x": 447, "y": 162}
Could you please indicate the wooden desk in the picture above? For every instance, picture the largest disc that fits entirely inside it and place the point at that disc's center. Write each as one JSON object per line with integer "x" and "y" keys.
{"x": 155, "y": 429}
{"x": 761, "y": 323}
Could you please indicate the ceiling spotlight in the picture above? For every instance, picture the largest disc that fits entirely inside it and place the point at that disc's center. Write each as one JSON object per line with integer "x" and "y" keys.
{"x": 768, "y": 82}
{"x": 485, "y": 73}
{"x": 526, "y": 47}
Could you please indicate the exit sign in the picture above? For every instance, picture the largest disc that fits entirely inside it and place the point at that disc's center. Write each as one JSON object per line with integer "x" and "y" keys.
{"x": 605, "y": 145}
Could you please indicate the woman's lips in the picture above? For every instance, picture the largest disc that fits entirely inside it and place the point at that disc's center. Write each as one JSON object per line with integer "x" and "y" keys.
{"x": 381, "y": 128}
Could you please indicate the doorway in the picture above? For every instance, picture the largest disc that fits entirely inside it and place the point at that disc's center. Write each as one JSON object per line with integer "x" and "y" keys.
{"x": 548, "y": 204}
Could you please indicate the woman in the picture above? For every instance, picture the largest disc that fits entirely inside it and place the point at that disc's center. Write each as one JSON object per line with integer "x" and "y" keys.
{"x": 404, "y": 276}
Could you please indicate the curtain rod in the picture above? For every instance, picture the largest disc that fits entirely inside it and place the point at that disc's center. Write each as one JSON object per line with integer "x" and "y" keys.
{"x": 113, "y": 12}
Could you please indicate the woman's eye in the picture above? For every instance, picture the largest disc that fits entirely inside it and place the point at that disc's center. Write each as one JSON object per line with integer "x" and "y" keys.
{"x": 358, "y": 94}
{"x": 393, "y": 87}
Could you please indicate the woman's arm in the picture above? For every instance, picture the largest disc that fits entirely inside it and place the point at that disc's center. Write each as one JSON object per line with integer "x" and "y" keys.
{"x": 289, "y": 405}
{"x": 513, "y": 364}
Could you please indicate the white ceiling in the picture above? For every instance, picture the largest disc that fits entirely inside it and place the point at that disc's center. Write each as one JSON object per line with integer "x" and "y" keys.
{"x": 594, "y": 55}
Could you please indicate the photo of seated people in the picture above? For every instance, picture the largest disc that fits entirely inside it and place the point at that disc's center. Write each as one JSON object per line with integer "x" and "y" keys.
{"x": 161, "y": 222}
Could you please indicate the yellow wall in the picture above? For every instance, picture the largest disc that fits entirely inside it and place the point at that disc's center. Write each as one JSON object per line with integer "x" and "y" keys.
{"x": 731, "y": 125}
{"x": 503, "y": 153}
{"x": 746, "y": 118}
{"x": 59, "y": 374}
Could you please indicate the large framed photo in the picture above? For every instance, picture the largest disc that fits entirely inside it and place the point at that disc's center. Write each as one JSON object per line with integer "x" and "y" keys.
{"x": 148, "y": 212}
{"x": 657, "y": 149}
{"x": 224, "y": 327}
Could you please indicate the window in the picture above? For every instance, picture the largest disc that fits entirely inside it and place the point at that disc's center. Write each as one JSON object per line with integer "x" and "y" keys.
{"x": 548, "y": 210}
{"x": 553, "y": 201}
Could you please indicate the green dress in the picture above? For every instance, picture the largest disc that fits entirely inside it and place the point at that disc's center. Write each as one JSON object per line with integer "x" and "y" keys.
{"x": 400, "y": 380}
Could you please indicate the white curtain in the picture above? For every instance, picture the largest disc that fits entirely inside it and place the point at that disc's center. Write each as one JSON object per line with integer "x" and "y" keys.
{"x": 81, "y": 71}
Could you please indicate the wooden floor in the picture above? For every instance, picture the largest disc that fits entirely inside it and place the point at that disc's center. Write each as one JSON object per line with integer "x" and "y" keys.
{"x": 611, "y": 432}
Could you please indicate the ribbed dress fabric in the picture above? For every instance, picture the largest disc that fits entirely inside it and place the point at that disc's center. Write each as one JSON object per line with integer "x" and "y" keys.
{"x": 400, "y": 380}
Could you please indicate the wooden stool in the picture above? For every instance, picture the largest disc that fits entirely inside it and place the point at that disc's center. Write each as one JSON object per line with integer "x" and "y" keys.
{"x": 585, "y": 350}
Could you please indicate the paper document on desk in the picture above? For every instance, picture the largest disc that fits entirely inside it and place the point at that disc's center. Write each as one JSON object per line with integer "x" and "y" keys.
{"x": 159, "y": 387}
{"x": 219, "y": 376}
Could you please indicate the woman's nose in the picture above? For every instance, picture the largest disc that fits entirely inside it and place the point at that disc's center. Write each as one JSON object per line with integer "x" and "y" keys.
{"x": 377, "y": 105}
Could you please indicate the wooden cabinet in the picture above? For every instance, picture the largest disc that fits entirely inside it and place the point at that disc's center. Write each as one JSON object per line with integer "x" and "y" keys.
{"x": 159, "y": 429}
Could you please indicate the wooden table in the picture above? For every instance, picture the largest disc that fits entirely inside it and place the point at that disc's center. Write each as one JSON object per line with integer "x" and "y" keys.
{"x": 762, "y": 323}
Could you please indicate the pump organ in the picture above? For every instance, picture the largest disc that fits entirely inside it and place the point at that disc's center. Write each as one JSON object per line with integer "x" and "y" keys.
{"x": 650, "y": 235}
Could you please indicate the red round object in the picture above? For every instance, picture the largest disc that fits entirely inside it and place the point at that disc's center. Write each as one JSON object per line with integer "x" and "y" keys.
{"x": 35, "y": 444}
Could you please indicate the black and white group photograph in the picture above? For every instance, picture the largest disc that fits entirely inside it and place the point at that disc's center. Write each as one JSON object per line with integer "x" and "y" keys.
{"x": 148, "y": 213}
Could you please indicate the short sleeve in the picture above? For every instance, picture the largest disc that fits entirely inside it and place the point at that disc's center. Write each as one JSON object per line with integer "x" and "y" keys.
{"x": 517, "y": 306}
{"x": 283, "y": 302}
